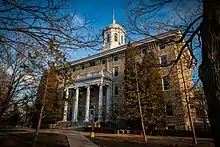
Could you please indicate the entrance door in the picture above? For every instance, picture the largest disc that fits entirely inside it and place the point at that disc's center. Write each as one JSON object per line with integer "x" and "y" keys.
{"x": 91, "y": 113}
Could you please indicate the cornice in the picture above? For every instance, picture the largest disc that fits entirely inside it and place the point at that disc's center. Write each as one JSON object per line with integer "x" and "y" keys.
{"x": 123, "y": 47}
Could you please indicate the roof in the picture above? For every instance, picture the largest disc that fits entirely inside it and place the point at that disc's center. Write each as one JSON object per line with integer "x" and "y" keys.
{"x": 114, "y": 26}
{"x": 123, "y": 47}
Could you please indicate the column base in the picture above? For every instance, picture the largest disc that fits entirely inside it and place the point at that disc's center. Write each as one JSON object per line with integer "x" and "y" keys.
{"x": 86, "y": 121}
{"x": 107, "y": 121}
{"x": 74, "y": 121}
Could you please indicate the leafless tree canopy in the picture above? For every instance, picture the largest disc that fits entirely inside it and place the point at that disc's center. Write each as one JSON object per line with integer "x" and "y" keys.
{"x": 41, "y": 21}
{"x": 33, "y": 33}
{"x": 149, "y": 17}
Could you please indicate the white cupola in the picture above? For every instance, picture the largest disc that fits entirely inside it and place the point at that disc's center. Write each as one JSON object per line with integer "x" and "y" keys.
{"x": 113, "y": 35}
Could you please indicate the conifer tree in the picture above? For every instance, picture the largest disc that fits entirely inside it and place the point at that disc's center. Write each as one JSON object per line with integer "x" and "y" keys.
{"x": 150, "y": 90}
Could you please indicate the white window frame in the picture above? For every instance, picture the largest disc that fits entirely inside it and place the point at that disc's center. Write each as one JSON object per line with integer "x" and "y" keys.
{"x": 114, "y": 71}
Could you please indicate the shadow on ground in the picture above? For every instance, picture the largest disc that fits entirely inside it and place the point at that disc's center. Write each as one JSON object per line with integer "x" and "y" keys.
{"x": 128, "y": 142}
{"x": 25, "y": 140}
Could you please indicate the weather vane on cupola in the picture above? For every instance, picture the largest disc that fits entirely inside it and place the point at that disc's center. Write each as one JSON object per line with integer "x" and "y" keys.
{"x": 113, "y": 16}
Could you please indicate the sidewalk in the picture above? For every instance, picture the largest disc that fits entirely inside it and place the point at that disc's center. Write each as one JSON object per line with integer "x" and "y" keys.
{"x": 76, "y": 139}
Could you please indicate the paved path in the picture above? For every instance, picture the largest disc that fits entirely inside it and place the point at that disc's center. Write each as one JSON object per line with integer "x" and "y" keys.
{"x": 75, "y": 139}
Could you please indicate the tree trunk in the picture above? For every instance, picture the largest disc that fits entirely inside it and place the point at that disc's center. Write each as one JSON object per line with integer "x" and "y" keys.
{"x": 188, "y": 106}
{"x": 209, "y": 69}
{"x": 38, "y": 126}
{"x": 139, "y": 103}
{"x": 41, "y": 112}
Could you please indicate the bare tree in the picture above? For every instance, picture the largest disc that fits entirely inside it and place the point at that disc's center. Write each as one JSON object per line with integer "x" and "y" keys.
{"x": 203, "y": 27}
{"x": 17, "y": 77}
{"x": 28, "y": 33}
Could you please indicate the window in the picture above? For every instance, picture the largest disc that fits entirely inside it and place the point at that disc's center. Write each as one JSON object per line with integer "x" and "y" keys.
{"x": 144, "y": 50}
{"x": 115, "y": 70}
{"x": 199, "y": 112}
{"x": 108, "y": 37}
{"x": 92, "y": 63}
{"x": 116, "y": 37}
{"x": 82, "y": 67}
{"x": 74, "y": 69}
{"x": 169, "y": 109}
{"x": 91, "y": 111}
{"x": 122, "y": 39}
{"x": 162, "y": 46}
{"x": 103, "y": 61}
{"x": 93, "y": 92}
{"x": 115, "y": 58}
{"x": 116, "y": 90}
{"x": 171, "y": 127}
{"x": 166, "y": 83}
{"x": 163, "y": 60}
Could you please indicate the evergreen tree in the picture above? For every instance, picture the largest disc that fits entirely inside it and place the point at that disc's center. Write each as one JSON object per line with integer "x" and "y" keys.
{"x": 150, "y": 90}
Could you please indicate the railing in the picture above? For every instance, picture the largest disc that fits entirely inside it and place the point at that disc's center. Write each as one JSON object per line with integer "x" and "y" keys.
{"x": 94, "y": 74}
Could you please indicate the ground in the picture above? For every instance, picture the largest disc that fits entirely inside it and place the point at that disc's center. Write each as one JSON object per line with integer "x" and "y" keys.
{"x": 128, "y": 142}
{"x": 25, "y": 140}
{"x": 22, "y": 137}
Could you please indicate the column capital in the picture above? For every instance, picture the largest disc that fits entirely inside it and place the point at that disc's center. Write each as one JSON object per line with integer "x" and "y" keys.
{"x": 100, "y": 83}
{"x": 87, "y": 86}
{"x": 76, "y": 87}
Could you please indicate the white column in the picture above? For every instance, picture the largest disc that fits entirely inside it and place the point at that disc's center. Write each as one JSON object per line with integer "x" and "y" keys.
{"x": 75, "y": 110}
{"x": 65, "y": 105}
{"x": 87, "y": 104}
{"x": 108, "y": 103}
{"x": 100, "y": 103}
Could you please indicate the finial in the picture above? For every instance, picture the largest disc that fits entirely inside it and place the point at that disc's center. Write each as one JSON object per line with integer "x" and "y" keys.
{"x": 113, "y": 16}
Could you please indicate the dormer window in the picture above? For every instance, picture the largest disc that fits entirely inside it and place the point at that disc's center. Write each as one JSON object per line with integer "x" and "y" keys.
{"x": 116, "y": 37}
{"x": 108, "y": 37}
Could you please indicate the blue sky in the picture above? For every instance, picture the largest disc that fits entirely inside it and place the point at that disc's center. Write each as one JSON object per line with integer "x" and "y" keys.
{"x": 101, "y": 12}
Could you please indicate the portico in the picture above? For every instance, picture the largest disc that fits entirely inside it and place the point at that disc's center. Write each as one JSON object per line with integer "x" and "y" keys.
{"x": 86, "y": 105}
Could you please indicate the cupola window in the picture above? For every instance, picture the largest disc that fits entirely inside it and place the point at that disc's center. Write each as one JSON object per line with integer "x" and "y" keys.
{"x": 116, "y": 37}
{"x": 122, "y": 39}
{"x": 108, "y": 37}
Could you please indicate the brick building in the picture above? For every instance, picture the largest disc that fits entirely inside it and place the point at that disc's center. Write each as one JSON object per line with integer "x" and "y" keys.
{"x": 98, "y": 79}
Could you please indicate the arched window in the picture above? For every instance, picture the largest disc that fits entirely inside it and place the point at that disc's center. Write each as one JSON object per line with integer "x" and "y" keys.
{"x": 122, "y": 39}
{"x": 108, "y": 37}
{"x": 116, "y": 37}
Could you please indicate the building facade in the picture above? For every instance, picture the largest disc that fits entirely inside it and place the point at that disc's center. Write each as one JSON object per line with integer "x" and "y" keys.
{"x": 97, "y": 91}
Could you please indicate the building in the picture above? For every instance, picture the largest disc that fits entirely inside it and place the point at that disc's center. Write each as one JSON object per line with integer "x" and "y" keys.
{"x": 98, "y": 79}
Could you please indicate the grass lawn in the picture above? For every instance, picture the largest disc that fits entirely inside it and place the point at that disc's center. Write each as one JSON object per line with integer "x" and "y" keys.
{"x": 25, "y": 140}
{"x": 127, "y": 142}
